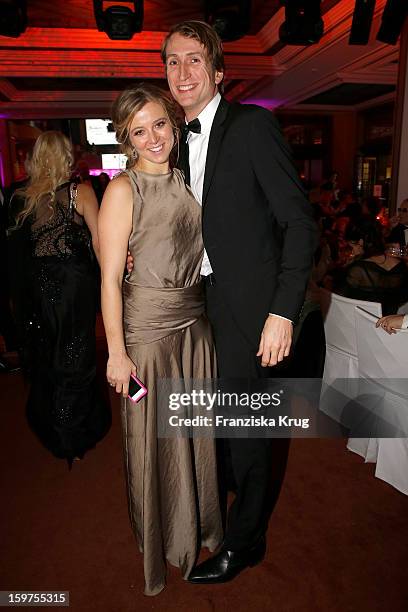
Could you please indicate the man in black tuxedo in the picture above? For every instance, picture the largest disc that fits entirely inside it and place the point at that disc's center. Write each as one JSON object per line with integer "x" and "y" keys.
{"x": 399, "y": 233}
{"x": 259, "y": 239}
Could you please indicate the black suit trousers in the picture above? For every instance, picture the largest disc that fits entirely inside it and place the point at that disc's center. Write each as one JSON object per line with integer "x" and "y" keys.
{"x": 245, "y": 462}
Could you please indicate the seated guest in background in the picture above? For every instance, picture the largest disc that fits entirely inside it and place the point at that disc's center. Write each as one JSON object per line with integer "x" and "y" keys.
{"x": 350, "y": 216}
{"x": 7, "y": 327}
{"x": 345, "y": 199}
{"x": 326, "y": 201}
{"x": 399, "y": 233}
{"x": 99, "y": 184}
{"x": 103, "y": 182}
{"x": 83, "y": 175}
{"x": 11, "y": 273}
{"x": 374, "y": 275}
{"x": 391, "y": 323}
{"x": 370, "y": 207}
{"x": 332, "y": 185}
{"x": 353, "y": 211}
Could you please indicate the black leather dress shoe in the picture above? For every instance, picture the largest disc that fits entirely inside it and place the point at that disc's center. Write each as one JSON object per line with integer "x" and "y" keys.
{"x": 226, "y": 564}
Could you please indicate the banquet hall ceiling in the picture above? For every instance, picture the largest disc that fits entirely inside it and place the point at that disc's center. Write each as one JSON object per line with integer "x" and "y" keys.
{"x": 62, "y": 66}
{"x": 159, "y": 15}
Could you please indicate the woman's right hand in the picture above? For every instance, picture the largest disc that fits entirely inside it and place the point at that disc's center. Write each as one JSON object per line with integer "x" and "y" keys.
{"x": 129, "y": 263}
{"x": 394, "y": 221}
{"x": 390, "y": 323}
{"x": 118, "y": 371}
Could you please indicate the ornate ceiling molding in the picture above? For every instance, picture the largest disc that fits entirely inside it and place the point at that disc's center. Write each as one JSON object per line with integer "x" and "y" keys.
{"x": 311, "y": 70}
{"x": 88, "y": 39}
{"x": 285, "y": 77}
{"x": 333, "y": 108}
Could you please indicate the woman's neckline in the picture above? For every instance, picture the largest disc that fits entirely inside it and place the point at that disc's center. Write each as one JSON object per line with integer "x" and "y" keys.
{"x": 385, "y": 269}
{"x": 137, "y": 171}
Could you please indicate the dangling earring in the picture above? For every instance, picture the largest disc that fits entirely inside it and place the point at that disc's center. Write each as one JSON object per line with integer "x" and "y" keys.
{"x": 134, "y": 153}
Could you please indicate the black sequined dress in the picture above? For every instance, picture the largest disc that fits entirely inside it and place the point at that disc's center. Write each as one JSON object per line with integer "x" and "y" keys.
{"x": 64, "y": 407}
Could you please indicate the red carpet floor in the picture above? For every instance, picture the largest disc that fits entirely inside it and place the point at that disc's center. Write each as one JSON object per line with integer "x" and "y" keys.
{"x": 337, "y": 540}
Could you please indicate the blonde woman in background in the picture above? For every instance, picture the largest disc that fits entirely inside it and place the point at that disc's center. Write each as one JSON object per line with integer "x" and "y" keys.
{"x": 58, "y": 220}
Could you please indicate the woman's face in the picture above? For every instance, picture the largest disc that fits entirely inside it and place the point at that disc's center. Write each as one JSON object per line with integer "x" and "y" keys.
{"x": 151, "y": 134}
{"x": 357, "y": 247}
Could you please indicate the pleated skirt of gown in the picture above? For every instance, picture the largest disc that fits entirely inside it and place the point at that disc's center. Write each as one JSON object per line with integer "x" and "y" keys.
{"x": 172, "y": 483}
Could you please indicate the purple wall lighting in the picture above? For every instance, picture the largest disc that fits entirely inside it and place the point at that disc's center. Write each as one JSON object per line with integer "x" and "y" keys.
{"x": 265, "y": 102}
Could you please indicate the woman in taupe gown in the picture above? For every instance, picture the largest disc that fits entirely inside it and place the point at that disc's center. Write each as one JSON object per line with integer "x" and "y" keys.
{"x": 172, "y": 483}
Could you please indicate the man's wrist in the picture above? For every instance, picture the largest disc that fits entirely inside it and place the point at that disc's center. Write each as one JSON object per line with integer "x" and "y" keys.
{"x": 272, "y": 314}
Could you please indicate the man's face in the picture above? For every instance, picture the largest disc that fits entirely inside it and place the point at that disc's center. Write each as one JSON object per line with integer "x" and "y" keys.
{"x": 192, "y": 79}
{"x": 403, "y": 212}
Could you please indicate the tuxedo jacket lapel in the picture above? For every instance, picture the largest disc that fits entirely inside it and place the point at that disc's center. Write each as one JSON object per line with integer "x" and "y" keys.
{"x": 216, "y": 135}
{"x": 183, "y": 163}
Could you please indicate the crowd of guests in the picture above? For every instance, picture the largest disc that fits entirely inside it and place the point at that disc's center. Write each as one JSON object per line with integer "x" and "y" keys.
{"x": 362, "y": 253}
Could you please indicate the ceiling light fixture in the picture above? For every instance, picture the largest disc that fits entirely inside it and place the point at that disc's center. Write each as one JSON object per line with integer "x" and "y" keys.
{"x": 362, "y": 19}
{"x": 393, "y": 17}
{"x": 13, "y": 17}
{"x": 119, "y": 22}
{"x": 231, "y": 19}
{"x": 303, "y": 23}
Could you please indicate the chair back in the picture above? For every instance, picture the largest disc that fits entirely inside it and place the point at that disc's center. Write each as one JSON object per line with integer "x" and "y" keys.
{"x": 403, "y": 309}
{"x": 339, "y": 320}
{"x": 380, "y": 355}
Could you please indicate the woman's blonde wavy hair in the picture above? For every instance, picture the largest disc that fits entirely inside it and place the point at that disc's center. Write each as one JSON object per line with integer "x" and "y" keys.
{"x": 131, "y": 101}
{"x": 50, "y": 166}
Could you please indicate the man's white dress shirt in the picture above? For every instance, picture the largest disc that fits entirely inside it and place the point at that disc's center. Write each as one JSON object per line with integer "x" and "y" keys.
{"x": 198, "y": 147}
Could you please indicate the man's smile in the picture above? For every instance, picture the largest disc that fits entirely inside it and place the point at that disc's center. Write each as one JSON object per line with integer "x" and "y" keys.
{"x": 185, "y": 87}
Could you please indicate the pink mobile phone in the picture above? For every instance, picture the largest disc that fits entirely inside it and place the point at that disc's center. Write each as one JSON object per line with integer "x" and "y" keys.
{"x": 137, "y": 390}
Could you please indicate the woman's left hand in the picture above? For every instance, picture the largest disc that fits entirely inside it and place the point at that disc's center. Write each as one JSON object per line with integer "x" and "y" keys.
{"x": 118, "y": 371}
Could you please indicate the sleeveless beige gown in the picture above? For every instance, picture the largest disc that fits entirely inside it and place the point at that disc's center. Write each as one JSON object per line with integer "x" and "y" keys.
{"x": 172, "y": 483}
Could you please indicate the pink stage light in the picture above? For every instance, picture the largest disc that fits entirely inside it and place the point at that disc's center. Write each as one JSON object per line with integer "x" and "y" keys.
{"x": 267, "y": 103}
{"x": 97, "y": 171}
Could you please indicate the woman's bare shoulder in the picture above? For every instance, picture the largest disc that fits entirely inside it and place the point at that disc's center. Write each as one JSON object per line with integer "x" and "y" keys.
{"x": 85, "y": 191}
{"x": 119, "y": 184}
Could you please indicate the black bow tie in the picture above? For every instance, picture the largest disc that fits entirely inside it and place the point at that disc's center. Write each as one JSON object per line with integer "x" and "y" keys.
{"x": 193, "y": 126}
